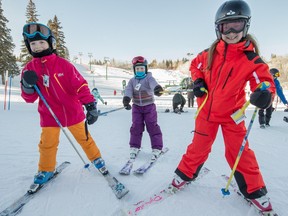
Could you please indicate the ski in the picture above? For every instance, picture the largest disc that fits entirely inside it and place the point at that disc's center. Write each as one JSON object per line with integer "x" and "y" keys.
{"x": 146, "y": 166}
{"x": 156, "y": 198}
{"x": 171, "y": 111}
{"x": 117, "y": 187}
{"x": 129, "y": 164}
{"x": 18, "y": 205}
{"x": 233, "y": 186}
{"x": 127, "y": 167}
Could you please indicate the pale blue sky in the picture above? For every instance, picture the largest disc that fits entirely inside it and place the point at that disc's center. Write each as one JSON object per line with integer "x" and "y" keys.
{"x": 161, "y": 29}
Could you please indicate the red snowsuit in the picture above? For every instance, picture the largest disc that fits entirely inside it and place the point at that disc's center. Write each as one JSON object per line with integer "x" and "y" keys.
{"x": 233, "y": 66}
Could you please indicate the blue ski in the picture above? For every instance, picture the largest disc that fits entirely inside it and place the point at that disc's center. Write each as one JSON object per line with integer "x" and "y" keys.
{"x": 18, "y": 205}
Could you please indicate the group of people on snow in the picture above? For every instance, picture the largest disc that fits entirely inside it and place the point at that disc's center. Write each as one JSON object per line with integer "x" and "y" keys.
{"x": 220, "y": 74}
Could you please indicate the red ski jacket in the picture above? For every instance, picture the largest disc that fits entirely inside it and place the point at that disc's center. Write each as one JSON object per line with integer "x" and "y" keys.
{"x": 64, "y": 89}
{"x": 233, "y": 66}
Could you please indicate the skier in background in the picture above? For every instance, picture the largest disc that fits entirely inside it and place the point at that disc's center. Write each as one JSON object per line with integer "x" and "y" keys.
{"x": 123, "y": 86}
{"x": 65, "y": 90}
{"x": 220, "y": 74}
{"x": 177, "y": 100}
{"x": 97, "y": 96}
{"x": 264, "y": 118}
{"x": 141, "y": 89}
{"x": 190, "y": 94}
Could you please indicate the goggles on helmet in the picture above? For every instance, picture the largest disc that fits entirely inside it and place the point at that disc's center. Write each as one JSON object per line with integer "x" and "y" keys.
{"x": 138, "y": 59}
{"x": 31, "y": 29}
{"x": 277, "y": 74}
{"x": 235, "y": 26}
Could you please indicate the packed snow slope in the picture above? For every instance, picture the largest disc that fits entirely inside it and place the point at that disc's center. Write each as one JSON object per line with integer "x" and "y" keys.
{"x": 80, "y": 191}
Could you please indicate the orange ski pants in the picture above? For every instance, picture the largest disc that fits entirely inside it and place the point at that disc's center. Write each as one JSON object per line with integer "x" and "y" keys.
{"x": 197, "y": 153}
{"x": 49, "y": 141}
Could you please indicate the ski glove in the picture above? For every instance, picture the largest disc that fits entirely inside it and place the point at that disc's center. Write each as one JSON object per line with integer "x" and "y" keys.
{"x": 126, "y": 101}
{"x": 261, "y": 98}
{"x": 199, "y": 84}
{"x": 92, "y": 113}
{"x": 158, "y": 90}
{"x": 29, "y": 79}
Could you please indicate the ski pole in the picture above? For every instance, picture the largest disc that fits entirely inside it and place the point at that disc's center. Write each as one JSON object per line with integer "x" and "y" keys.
{"x": 10, "y": 86}
{"x": 113, "y": 110}
{"x": 225, "y": 191}
{"x": 58, "y": 122}
{"x": 6, "y": 85}
{"x": 205, "y": 100}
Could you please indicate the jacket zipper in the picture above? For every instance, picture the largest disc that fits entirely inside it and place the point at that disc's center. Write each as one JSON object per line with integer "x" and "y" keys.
{"x": 55, "y": 92}
{"x": 227, "y": 78}
{"x": 225, "y": 52}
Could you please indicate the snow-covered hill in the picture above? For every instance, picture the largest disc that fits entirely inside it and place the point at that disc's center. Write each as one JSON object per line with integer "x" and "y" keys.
{"x": 80, "y": 191}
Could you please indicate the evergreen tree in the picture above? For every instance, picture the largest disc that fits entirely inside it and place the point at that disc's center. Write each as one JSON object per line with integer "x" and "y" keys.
{"x": 56, "y": 27}
{"x": 153, "y": 64}
{"x": 31, "y": 15}
{"x": 7, "y": 59}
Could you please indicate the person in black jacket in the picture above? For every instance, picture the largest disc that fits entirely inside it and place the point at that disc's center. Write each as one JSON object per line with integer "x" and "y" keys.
{"x": 177, "y": 100}
{"x": 190, "y": 94}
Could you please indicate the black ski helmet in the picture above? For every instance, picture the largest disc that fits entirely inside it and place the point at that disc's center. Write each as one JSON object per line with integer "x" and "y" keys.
{"x": 275, "y": 72}
{"x": 140, "y": 61}
{"x": 37, "y": 35}
{"x": 233, "y": 10}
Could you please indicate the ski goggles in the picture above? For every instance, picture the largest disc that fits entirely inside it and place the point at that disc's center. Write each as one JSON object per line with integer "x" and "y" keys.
{"x": 277, "y": 74}
{"x": 138, "y": 59}
{"x": 31, "y": 29}
{"x": 235, "y": 26}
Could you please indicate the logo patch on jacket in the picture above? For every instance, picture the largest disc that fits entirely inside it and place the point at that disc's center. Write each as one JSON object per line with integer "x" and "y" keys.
{"x": 46, "y": 80}
{"x": 60, "y": 74}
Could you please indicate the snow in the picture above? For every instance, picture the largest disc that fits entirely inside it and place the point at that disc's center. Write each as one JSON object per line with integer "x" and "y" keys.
{"x": 80, "y": 191}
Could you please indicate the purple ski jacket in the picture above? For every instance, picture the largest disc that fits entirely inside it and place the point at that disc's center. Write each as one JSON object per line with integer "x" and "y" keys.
{"x": 141, "y": 90}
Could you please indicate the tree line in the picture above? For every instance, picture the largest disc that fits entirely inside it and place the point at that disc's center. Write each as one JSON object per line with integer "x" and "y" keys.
{"x": 8, "y": 61}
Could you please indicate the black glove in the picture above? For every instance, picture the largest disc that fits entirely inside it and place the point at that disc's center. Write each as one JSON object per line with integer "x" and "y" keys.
{"x": 158, "y": 90}
{"x": 28, "y": 80}
{"x": 198, "y": 84}
{"x": 92, "y": 114}
{"x": 261, "y": 99}
{"x": 126, "y": 101}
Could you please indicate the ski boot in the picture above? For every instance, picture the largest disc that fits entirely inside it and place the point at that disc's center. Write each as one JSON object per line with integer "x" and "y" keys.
{"x": 42, "y": 177}
{"x": 99, "y": 163}
{"x": 134, "y": 152}
{"x": 176, "y": 185}
{"x": 262, "y": 203}
{"x": 155, "y": 154}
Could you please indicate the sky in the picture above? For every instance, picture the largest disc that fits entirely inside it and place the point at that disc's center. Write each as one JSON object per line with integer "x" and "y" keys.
{"x": 155, "y": 29}
{"x": 78, "y": 191}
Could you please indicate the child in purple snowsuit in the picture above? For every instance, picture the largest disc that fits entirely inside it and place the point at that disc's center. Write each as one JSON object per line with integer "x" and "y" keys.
{"x": 141, "y": 89}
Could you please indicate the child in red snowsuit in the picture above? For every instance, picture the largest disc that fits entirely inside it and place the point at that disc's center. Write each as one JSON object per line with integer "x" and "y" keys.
{"x": 221, "y": 73}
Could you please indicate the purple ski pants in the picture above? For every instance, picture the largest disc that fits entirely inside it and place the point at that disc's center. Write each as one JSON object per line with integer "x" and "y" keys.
{"x": 141, "y": 116}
